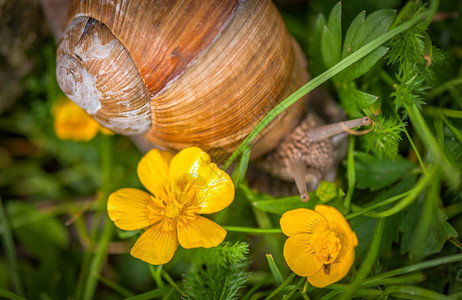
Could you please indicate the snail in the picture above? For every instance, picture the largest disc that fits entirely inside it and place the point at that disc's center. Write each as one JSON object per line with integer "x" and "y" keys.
{"x": 202, "y": 73}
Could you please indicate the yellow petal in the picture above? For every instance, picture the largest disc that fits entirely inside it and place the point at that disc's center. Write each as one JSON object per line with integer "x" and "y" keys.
{"x": 153, "y": 172}
{"x": 72, "y": 123}
{"x": 302, "y": 220}
{"x": 218, "y": 191}
{"x": 127, "y": 208}
{"x": 334, "y": 272}
{"x": 188, "y": 161}
{"x": 201, "y": 232}
{"x": 299, "y": 255}
{"x": 339, "y": 225}
{"x": 214, "y": 188}
{"x": 155, "y": 246}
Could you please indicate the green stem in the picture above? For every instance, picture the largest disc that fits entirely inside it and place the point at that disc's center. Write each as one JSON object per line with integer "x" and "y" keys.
{"x": 156, "y": 273}
{"x": 281, "y": 287}
{"x": 406, "y": 201}
{"x": 376, "y": 205}
{"x": 443, "y": 88}
{"x": 351, "y": 173}
{"x": 451, "y": 173}
{"x": 412, "y": 268}
{"x": 436, "y": 111}
{"x": 369, "y": 261}
{"x": 8, "y": 245}
{"x": 94, "y": 263}
{"x": 252, "y": 230}
{"x": 318, "y": 80}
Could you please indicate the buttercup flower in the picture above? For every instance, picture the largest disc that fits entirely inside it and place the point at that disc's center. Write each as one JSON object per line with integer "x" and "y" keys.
{"x": 72, "y": 122}
{"x": 183, "y": 187}
{"x": 320, "y": 244}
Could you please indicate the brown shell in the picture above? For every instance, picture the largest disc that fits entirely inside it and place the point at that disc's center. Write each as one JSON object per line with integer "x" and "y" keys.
{"x": 211, "y": 70}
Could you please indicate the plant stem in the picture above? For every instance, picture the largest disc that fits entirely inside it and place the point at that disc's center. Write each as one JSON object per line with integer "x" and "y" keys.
{"x": 369, "y": 261}
{"x": 94, "y": 263}
{"x": 252, "y": 230}
{"x": 8, "y": 245}
{"x": 281, "y": 287}
{"x": 351, "y": 173}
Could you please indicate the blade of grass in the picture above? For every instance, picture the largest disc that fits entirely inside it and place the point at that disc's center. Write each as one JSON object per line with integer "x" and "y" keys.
{"x": 318, "y": 80}
{"x": 452, "y": 175}
{"x": 281, "y": 287}
{"x": 151, "y": 294}
{"x": 368, "y": 262}
{"x": 351, "y": 173}
{"x": 424, "y": 180}
{"x": 114, "y": 286}
{"x": 413, "y": 292}
{"x": 10, "y": 295}
{"x": 413, "y": 268}
{"x": 274, "y": 269}
{"x": 95, "y": 262}
{"x": 10, "y": 251}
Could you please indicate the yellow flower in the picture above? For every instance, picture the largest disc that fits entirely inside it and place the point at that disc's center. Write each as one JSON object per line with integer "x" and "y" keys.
{"x": 320, "y": 244}
{"x": 182, "y": 188}
{"x": 72, "y": 122}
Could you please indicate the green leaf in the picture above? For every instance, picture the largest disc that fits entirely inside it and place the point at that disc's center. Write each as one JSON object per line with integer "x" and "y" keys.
{"x": 241, "y": 168}
{"x": 42, "y": 238}
{"x": 375, "y": 174}
{"x": 440, "y": 231}
{"x": 331, "y": 39}
{"x": 362, "y": 66}
{"x": 353, "y": 101}
{"x": 350, "y": 37}
{"x": 314, "y": 49}
{"x": 361, "y": 32}
{"x": 358, "y": 35}
{"x": 280, "y": 206}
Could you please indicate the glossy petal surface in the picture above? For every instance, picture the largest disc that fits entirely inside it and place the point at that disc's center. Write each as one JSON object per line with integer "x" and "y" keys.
{"x": 299, "y": 255}
{"x": 201, "y": 232}
{"x": 127, "y": 208}
{"x": 217, "y": 192}
{"x": 153, "y": 171}
{"x": 155, "y": 246}
{"x": 214, "y": 188}
{"x": 336, "y": 271}
{"x": 339, "y": 224}
{"x": 302, "y": 220}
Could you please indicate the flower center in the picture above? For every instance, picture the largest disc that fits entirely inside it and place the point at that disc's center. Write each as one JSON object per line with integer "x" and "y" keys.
{"x": 172, "y": 211}
{"x": 326, "y": 246}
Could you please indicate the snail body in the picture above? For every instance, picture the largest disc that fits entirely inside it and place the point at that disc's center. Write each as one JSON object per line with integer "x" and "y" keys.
{"x": 189, "y": 73}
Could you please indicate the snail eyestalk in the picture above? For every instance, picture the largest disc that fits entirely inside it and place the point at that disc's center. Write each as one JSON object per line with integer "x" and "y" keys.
{"x": 298, "y": 169}
{"x": 327, "y": 131}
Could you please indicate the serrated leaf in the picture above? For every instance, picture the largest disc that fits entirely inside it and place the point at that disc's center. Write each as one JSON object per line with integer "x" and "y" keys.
{"x": 376, "y": 24}
{"x": 353, "y": 101}
{"x": 361, "y": 32}
{"x": 331, "y": 39}
{"x": 363, "y": 65}
{"x": 375, "y": 174}
{"x": 351, "y": 33}
{"x": 280, "y": 206}
{"x": 440, "y": 231}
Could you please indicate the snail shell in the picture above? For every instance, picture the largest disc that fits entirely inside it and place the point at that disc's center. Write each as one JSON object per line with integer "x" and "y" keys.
{"x": 183, "y": 73}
